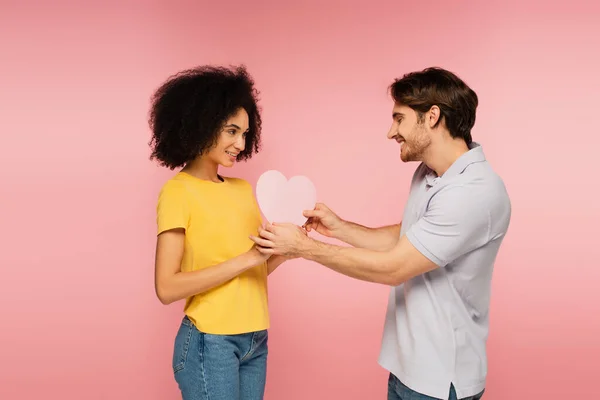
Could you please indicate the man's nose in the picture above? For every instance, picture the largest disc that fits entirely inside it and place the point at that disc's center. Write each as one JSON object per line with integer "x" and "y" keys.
{"x": 392, "y": 133}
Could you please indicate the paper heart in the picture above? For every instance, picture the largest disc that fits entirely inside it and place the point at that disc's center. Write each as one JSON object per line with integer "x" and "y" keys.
{"x": 282, "y": 200}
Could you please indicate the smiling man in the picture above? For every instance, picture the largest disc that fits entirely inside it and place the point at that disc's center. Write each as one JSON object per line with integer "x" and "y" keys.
{"x": 439, "y": 259}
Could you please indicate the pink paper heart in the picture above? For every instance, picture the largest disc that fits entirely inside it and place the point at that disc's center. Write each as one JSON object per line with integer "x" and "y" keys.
{"x": 282, "y": 200}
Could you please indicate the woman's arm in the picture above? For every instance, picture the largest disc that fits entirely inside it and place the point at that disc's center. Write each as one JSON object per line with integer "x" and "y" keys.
{"x": 172, "y": 285}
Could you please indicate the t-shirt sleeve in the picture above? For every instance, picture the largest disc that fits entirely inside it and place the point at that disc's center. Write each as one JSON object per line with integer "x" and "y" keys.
{"x": 455, "y": 223}
{"x": 172, "y": 210}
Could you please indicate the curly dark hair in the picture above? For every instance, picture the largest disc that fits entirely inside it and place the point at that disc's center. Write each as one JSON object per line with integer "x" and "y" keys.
{"x": 190, "y": 108}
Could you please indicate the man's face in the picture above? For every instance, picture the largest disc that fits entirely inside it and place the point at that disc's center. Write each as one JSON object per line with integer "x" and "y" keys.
{"x": 410, "y": 132}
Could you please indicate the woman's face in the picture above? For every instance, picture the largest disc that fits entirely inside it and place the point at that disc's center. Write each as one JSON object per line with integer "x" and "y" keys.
{"x": 232, "y": 139}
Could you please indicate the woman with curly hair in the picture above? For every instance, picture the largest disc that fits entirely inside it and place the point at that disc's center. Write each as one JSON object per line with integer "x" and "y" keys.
{"x": 202, "y": 119}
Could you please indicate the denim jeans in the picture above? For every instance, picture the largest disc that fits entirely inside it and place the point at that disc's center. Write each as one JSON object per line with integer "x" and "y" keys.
{"x": 220, "y": 367}
{"x": 398, "y": 391}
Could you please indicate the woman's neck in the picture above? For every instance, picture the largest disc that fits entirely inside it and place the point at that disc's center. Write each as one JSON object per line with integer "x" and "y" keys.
{"x": 204, "y": 169}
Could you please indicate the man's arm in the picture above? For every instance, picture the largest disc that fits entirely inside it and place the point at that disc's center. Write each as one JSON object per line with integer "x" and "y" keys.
{"x": 273, "y": 262}
{"x": 380, "y": 239}
{"x": 323, "y": 220}
{"x": 455, "y": 223}
{"x": 390, "y": 267}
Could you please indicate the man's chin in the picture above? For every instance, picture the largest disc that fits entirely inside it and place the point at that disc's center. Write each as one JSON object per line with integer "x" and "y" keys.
{"x": 408, "y": 157}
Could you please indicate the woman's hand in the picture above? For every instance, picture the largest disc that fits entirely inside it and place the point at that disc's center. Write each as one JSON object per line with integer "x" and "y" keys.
{"x": 256, "y": 256}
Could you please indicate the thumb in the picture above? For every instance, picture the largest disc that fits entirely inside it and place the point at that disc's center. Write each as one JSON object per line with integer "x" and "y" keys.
{"x": 312, "y": 213}
{"x": 321, "y": 206}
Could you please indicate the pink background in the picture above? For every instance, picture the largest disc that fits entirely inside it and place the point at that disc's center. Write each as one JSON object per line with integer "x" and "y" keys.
{"x": 79, "y": 315}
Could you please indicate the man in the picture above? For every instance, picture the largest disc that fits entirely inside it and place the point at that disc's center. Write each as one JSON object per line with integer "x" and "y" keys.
{"x": 439, "y": 259}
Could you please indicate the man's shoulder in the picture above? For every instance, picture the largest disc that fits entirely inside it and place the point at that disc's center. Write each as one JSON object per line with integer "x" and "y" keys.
{"x": 485, "y": 187}
{"x": 491, "y": 185}
{"x": 481, "y": 195}
{"x": 480, "y": 178}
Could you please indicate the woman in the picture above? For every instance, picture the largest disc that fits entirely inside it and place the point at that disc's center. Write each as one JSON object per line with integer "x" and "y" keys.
{"x": 202, "y": 119}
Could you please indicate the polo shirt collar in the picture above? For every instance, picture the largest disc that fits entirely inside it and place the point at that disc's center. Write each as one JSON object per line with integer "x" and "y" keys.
{"x": 474, "y": 155}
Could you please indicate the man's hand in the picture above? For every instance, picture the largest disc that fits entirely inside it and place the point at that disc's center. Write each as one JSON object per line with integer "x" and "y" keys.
{"x": 324, "y": 221}
{"x": 287, "y": 240}
{"x": 327, "y": 223}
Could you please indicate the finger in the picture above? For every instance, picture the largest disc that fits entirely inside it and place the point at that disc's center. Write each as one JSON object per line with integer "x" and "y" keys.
{"x": 308, "y": 225}
{"x": 308, "y": 213}
{"x": 320, "y": 206}
{"x": 312, "y": 224}
{"x": 263, "y": 250}
{"x": 274, "y": 227}
{"x": 287, "y": 225}
{"x": 312, "y": 213}
{"x": 270, "y": 227}
{"x": 265, "y": 234}
{"x": 262, "y": 242}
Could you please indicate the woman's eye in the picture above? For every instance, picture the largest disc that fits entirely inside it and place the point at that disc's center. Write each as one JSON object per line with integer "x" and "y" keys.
{"x": 231, "y": 132}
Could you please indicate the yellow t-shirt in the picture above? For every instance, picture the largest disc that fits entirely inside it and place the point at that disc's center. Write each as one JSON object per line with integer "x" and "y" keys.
{"x": 217, "y": 218}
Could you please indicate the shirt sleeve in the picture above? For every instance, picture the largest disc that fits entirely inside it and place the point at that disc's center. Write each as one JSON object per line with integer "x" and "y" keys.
{"x": 172, "y": 210}
{"x": 455, "y": 223}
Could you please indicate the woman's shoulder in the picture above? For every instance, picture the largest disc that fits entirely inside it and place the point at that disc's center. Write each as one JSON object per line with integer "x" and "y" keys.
{"x": 241, "y": 186}
{"x": 237, "y": 181}
{"x": 174, "y": 186}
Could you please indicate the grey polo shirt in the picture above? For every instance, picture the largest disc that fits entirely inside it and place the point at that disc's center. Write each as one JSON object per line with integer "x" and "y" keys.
{"x": 436, "y": 324}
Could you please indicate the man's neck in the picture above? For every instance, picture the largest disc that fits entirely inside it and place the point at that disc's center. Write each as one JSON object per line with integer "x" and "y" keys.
{"x": 440, "y": 156}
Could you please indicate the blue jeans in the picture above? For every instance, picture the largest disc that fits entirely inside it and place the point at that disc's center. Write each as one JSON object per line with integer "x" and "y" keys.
{"x": 220, "y": 367}
{"x": 398, "y": 391}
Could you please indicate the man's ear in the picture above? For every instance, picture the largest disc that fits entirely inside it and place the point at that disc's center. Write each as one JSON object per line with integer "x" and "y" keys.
{"x": 433, "y": 116}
